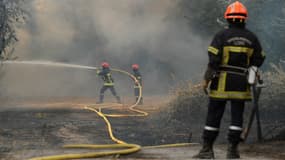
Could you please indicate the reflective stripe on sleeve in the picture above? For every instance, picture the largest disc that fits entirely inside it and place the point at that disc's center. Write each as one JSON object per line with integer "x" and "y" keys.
{"x": 213, "y": 50}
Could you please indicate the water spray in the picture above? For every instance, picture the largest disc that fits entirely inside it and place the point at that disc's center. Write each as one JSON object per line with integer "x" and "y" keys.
{"x": 127, "y": 148}
{"x": 50, "y": 64}
{"x": 124, "y": 148}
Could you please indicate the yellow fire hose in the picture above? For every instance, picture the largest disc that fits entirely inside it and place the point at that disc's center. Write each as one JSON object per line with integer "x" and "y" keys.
{"x": 127, "y": 148}
{"x": 121, "y": 148}
{"x": 131, "y": 148}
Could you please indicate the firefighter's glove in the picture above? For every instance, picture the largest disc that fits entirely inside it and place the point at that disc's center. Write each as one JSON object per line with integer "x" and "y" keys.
{"x": 136, "y": 82}
{"x": 205, "y": 86}
{"x": 97, "y": 71}
{"x": 210, "y": 74}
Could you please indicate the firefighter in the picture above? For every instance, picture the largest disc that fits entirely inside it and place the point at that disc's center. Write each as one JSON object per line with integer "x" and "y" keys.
{"x": 138, "y": 76}
{"x": 232, "y": 51}
{"x": 105, "y": 73}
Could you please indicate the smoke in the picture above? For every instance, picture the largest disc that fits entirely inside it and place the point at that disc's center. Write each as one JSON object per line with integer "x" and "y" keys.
{"x": 151, "y": 33}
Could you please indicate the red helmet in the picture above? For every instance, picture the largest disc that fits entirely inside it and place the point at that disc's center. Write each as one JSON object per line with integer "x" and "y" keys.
{"x": 135, "y": 66}
{"x": 105, "y": 65}
{"x": 236, "y": 10}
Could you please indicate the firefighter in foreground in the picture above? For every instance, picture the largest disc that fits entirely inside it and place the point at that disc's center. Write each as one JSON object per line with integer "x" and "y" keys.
{"x": 231, "y": 53}
{"x": 105, "y": 73}
{"x": 138, "y": 76}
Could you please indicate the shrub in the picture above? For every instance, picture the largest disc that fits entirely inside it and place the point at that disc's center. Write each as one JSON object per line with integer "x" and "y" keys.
{"x": 189, "y": 105}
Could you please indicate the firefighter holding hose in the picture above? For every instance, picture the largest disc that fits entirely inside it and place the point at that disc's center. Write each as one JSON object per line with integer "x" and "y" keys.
{"x": 138, "y": 76}
{"x": 106, "y": 76}
{"x": 232, "y": 51}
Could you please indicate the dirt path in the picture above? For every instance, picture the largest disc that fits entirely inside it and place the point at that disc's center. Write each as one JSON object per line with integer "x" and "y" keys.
{"x": 40, "y": 127}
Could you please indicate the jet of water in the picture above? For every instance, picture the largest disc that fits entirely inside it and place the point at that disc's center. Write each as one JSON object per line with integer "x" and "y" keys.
{"x": 50, "y": 63}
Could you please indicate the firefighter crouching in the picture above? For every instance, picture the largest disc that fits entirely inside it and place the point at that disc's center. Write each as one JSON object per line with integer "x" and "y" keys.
{"x": 231, "y": 53}
{"x": 138, "y": 76}
{"x": 105, "y": 74}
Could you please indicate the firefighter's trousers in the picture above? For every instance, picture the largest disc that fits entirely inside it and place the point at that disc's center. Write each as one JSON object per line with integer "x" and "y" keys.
{"x": 113, "y": 91}
{"x": 137, "y": 94}
{"x": 216, "y": 110}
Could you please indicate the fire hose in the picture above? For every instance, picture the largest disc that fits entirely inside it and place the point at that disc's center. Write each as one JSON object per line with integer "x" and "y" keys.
{"x": 120, "y": 146}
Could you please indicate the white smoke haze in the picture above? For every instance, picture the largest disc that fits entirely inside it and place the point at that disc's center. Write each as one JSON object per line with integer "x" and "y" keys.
{"x": 122, "y": 32}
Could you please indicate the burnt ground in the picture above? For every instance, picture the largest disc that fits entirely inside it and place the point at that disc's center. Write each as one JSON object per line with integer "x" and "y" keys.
{"x": 30, "y": 128}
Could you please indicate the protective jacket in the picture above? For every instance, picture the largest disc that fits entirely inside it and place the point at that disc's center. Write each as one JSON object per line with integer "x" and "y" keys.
{"x": 231, "y": 52}
{"x": 138, "y": 76}
{"x": 106, "y": 76}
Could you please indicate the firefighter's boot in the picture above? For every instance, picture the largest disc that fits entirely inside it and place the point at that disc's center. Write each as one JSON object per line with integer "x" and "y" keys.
{"x": 206, "y": 152}
{"x": 233, "y": 152}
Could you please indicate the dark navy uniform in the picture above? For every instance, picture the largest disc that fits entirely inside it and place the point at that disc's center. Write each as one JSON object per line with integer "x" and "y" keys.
{"x": 138, "y": 76}
{"x": 231, "y": 53}
{"x": 108, "y": 84}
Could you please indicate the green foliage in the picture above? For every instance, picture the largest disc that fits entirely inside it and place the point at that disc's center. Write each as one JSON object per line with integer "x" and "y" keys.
{"x": 203, "y": 16}
{"x": 266, "y": 19}
{"x": 11, "y": 14}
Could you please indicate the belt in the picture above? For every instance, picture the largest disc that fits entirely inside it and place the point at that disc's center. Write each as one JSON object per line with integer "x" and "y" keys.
{"x": 233, "y": 70}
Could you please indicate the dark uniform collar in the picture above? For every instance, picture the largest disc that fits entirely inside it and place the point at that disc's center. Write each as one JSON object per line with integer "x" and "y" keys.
{"x": 236, "y": 25}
